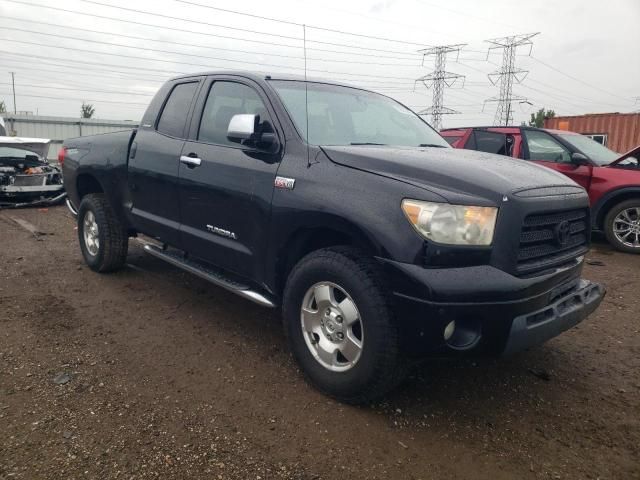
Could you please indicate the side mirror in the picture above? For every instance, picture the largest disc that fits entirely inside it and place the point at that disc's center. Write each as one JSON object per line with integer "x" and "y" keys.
{"x": 246, "y": 127}
{"x": 578, "y": 158}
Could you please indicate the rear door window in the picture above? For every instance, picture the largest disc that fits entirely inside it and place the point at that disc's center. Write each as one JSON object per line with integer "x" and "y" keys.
{"x": 174, "y": 114}
{"x": 491, "y": 142}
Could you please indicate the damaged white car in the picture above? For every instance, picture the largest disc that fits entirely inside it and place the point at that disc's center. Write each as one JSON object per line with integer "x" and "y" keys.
{"x": 26, "y": 177}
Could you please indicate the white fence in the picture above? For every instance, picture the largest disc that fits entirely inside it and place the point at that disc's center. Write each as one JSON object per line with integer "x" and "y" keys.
{"x": 59, "y": 128}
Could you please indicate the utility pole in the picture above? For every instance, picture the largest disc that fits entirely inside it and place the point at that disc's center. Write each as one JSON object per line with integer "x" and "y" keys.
{"x": 13, "y": 86}
{"x": 438, "y": 80}
{"x": 508, "y": 74}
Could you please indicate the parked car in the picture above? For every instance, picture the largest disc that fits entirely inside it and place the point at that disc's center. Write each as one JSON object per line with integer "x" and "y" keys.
{"x": 612, "y": 180}
{"x": 378, "y": 240}
{"x": 26, "y": 177}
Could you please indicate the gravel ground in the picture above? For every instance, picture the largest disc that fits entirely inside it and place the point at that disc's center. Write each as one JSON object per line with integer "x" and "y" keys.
{"x": 153, "y": 373}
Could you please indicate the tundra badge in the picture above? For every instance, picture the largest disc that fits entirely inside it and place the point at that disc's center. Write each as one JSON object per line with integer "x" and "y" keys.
{"x": 285, "y": 183}
{"x": 221, "y": 231}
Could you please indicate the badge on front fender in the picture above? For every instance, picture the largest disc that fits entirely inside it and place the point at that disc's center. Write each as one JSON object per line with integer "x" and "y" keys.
{"x": 285, "y": 183}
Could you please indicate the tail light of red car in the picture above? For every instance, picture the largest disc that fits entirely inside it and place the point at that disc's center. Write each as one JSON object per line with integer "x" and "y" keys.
{"x": 61, "y": 155}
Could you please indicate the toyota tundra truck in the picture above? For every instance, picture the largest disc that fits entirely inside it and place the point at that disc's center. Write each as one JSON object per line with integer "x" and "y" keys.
{"x": 379, "y": 242}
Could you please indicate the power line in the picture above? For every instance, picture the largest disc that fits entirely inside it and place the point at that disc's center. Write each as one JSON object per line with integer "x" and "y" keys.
{"x": 83, "y": 64}
{"x": 208, "y": 66}
{"x": 76, "y": 98}
{"x": 200, "y": 22}
{"x": 182, "y": 31}
{"x": 577, "y": 79}
{"x": 81, "y": 72}
{"x": 564, "y": 93}
{"x": 190, "y": 45}
{"x": 54, "y": 80}
{"x": 437, "y": 81}
{"x": 119, "y": 92}
{"x": 271, "y": 19}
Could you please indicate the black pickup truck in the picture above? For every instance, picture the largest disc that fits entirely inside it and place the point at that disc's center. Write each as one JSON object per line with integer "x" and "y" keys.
{"x": 380, "y": 243}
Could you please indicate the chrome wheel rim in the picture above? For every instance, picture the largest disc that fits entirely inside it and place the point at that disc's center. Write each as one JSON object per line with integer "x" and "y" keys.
{"x": 90, "y": 232}
{"x": 626, "y": 227}
{"x": 332, "y": 327}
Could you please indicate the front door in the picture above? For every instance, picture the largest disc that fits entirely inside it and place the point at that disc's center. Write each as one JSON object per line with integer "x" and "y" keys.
{"x": 225, "y": 199}
{"x": 153, "y": 167}
{"x": 543, "y": 149}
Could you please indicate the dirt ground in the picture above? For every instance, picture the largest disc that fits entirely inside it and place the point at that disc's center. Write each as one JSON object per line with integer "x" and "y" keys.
{"x": 153, "y": 373}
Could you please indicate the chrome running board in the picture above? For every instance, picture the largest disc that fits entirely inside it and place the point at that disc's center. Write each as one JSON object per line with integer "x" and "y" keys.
{"x": 209, "y": 274}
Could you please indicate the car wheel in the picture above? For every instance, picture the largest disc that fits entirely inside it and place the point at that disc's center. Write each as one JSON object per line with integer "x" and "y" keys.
{"x": 103, "y": 240}
{"x": 622, "y": 226}
{"x": 340, "y": 326}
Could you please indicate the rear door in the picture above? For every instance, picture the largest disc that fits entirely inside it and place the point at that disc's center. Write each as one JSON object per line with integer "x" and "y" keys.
{"x": 153, "y": 165}
{"x": 225, "y": 200}
{"x": 542, "y": 148}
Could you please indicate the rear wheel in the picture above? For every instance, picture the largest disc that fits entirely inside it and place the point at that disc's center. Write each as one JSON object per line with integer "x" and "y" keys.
{"x": 340, "y": 325}
{"x": 103, "y": 239}
{"x": 622, "y": 226}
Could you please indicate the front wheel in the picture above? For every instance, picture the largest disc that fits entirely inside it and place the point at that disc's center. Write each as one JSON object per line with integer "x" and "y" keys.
{"x": 103, "y": 239}
{"x": 340, "y": 325}
{"x": 622, "y": 226}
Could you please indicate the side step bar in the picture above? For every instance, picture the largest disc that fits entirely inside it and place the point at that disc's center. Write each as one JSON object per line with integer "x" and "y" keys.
{"x": 210, "y": 275}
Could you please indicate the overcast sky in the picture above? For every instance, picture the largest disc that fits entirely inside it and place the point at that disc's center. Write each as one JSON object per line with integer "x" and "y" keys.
{"x": 585, "y": 59}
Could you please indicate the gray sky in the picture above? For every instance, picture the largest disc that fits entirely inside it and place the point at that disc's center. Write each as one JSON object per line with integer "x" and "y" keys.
{"x": 586, "y": 58}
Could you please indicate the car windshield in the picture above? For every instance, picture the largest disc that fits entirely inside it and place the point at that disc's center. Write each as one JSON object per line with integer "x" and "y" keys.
{"x": 349, "y": 116}
{"x": 592, "y": 149}
{"x": 8, "y": 152}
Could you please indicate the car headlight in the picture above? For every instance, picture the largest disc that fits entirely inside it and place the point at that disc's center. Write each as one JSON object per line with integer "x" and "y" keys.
{"x": 452, "y": 224}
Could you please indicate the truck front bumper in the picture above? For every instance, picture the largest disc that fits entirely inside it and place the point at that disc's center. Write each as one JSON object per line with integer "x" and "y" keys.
{"x": 488, "y": 311}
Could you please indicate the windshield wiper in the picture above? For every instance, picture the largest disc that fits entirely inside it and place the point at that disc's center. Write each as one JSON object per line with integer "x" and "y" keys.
{"x": 431, "y": 145}
{"x": 366, "y": 143}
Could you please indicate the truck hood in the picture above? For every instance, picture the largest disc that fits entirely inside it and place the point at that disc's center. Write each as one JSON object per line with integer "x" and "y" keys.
{"x": 448, "y": 172}
{"x": 39, "y": 146}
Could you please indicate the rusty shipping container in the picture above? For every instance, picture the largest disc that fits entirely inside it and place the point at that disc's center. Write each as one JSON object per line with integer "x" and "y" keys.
{"x": 618, "y": 131}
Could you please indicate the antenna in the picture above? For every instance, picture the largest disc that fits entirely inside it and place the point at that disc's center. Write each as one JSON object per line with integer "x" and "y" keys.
{"x": 306, "y": 91}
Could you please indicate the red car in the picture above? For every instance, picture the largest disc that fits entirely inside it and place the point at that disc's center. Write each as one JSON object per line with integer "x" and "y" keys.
{"x": 612, "y": 180}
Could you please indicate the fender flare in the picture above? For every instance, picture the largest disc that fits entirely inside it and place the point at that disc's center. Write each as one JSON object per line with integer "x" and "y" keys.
{"x": 599, "y": 209}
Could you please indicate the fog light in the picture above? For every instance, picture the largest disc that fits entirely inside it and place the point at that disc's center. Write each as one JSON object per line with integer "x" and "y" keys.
{"x": 449, "y": 329}
{"x": 463, "y": 334}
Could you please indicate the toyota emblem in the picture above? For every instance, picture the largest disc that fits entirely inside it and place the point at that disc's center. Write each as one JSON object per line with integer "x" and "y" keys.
{"x": 563, "y": 232}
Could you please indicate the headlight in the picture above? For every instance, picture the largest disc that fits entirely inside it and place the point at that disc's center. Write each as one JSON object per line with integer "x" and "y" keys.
{"x": 452, "y": 224}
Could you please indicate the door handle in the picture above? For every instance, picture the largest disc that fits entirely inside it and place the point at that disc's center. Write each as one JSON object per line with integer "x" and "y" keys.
{"x": 190, "y": 161}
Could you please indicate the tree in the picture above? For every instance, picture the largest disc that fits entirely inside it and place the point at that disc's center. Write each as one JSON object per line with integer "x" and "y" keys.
{"x": 3, "y": 107}
{"x": 87, "y": 110}
{"x": 537, "y": 119}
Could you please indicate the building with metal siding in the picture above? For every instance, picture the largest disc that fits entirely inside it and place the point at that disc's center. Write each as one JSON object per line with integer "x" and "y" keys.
{"x": 618, "y": 131}
{"x": 57, "y": 129}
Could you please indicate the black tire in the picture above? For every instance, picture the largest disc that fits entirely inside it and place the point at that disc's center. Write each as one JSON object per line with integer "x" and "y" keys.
{"x": 609, "y": 225}
{"x": 379, "y": 367}
{"x": 113, "y": 238}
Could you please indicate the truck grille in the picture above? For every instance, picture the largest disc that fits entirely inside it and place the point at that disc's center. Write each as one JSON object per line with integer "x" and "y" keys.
{"x": 550, "y": 239}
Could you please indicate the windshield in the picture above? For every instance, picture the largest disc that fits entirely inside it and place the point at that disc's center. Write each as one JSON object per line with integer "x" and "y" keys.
{"x": 349, "y": 116}
{"x": 592, "y": 149}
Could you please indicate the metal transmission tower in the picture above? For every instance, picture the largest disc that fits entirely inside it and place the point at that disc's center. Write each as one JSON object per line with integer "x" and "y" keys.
{"x": 438, "y": 80}
{"x": 508, "y": 74}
